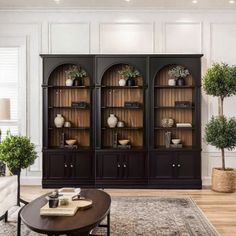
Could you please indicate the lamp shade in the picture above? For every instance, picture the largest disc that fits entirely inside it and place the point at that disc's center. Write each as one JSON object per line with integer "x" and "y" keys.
{"x": 5, "y": 109}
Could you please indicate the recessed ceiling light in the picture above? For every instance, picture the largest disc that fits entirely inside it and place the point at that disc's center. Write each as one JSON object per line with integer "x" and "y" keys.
{"x": 57, "y": 1}
{"x": 127, "y": 0}
{"x": 231, "y": 1}
{"x": 194, "y": 1}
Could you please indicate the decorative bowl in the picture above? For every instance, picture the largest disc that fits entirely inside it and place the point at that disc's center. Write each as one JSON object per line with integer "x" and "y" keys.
{"x": 167, "y": 122}
{"x": 176, "y": 141}
{"x": 123, "y": 142}
{"x": 71, "y": 141}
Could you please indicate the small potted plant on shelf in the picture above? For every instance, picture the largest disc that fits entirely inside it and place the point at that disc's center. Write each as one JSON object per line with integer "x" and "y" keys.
{"x": 220, "y": 81}
{"x": 179, "y": 73}
{"x": 129, "y": 73}
{"x": 75, "y": 76}
{"x": 17, "y": 152}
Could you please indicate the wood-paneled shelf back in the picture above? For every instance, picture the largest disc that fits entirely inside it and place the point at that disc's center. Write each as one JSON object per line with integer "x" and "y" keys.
{"x": 165, "y": 97}
{"x": 134, "y": 121}
{"x": 113, "y": 98}
{"x": 60, "y": 98}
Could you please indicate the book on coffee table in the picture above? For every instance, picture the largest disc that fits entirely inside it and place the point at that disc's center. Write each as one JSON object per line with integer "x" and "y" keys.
{"x": 68, "y": 210}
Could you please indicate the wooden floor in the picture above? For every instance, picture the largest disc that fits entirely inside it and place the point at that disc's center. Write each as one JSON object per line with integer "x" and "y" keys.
{"x": 219, "y": 208}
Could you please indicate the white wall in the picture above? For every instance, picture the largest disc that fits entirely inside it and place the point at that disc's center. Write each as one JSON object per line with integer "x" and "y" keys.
{"x": 212, "y": 33}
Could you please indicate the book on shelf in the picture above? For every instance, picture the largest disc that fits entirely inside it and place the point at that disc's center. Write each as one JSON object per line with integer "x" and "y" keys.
{"x": 183, "y": 125}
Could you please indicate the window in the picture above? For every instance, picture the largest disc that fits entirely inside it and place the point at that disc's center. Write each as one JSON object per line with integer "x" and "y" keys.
{"x": 9, "y": 84}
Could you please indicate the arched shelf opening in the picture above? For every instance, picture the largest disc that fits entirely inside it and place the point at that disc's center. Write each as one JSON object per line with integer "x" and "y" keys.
{"x": 58, "y": 76}
{"x": 174, "y": 104}
{"x": 162, "y": 76}
{"x": 112, "y": 76}
{"x": 127, "y": 104}
{"x": 73, "y": 103}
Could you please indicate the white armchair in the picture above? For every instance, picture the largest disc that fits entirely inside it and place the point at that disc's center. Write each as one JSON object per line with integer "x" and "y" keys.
{"x": 8, "y": 194}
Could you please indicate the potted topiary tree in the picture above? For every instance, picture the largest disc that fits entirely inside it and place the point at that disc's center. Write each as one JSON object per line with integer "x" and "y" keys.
{"x": 220, "y": 81}
{"x": 18, "y": 153}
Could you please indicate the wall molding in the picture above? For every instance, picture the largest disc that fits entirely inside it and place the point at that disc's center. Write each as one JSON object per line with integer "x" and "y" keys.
{"x": 50, "y": 24}
{"x": 151, "y": 23}
{"x": 164, "y": 32}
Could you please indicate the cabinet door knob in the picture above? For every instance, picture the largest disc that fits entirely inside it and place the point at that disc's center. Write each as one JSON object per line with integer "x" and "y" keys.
{"x": 71, "y": 166}
{"x": 65, "y": 165}
{"x": 173, "y": 165}
{"x": 124, "y": 165}
{"x": 118, "y": 165}
{"x": 178, "y": 165}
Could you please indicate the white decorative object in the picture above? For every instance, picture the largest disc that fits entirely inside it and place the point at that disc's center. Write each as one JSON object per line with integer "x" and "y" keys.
{"x": 183, "y": 125}
{"x": 176, "y": 141}
{"x": 171, "y": 82}
{"x": 121, "y": 124}
{"x": 122, "y": 82}
{"x": 123, "y": 142}
{"x": 112, "y": 121}
{"x": 69, "y": 82}
{"x": 67, "y": 124}
{"x": 59, "y": 121}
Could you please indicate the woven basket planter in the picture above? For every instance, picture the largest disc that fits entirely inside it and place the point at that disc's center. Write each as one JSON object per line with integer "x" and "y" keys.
{"x": 223, "y": 180}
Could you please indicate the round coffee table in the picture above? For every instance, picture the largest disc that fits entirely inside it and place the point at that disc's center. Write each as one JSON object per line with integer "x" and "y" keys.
{"x": 80, "y": 224}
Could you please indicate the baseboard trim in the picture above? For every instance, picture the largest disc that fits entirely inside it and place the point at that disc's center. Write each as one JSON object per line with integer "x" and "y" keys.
{"x": 206, "y": 181}
{"x": 31, "y": 180}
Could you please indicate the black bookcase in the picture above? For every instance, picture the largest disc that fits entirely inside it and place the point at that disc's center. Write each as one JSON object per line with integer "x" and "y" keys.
{"x": 98, "y": 162}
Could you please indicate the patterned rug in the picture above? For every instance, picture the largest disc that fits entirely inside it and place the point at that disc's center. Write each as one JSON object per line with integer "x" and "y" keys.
{"x": 146, "y": 216}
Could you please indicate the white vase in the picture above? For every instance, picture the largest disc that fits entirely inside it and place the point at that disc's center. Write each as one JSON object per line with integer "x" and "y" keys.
{"x": 59, "y": 121}
{"x": 112, "y": 121}
{"x": 69, "y": 82}
{"x": 122, "y": 82}
{"x": 171, "y": 82}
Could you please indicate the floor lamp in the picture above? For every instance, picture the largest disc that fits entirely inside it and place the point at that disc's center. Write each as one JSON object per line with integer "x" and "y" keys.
{"x": 4, "y": 116}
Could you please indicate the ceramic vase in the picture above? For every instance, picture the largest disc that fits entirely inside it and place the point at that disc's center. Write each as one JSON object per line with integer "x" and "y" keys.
{"x": 112, "y": 121}
{"x": 130, "y": 82}
{"x": 69, "y": 82}
{"x": 171, "y": 82}
{"x": 77, "y": 81}
{"x": 59, "y": 121}
{"x": 180, "y": 81}
{"x": 122, "y": 82}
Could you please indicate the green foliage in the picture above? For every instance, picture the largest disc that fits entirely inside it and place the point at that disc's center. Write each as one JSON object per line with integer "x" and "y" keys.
{"x": 221, "y": 132}
{"x": 129, "y": 72}
{"x": 220, "y": 80}
{"x": 17, "y": 151}
{"x": 178, "y": 72}
{"x": 75, "y": 71}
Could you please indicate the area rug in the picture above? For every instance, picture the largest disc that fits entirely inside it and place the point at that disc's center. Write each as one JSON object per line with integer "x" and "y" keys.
{"x": 146, "y": 216}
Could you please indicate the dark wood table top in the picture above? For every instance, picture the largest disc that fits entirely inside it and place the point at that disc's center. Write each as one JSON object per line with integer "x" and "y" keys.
{"x": 82, "y": 221}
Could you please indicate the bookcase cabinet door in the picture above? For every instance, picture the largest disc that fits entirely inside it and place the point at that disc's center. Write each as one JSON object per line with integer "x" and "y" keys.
{"x": 109, "y": 166}
{"x": 188, "y": 165}
{"x": 162, "y": 165}
{"x": 56, "y": 166}
{"x": 135, "y": 166}
{"x": 82, "y": 166}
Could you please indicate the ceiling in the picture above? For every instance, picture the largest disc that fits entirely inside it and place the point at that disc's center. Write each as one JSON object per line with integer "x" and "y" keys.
{"x": 117, "y": 4}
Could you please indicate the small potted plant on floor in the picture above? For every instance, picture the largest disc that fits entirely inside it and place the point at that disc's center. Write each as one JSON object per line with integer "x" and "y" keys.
{"x": 129, "y": 73}
{"x": 17, "y": 152}
{"x": 179, "y": 73}
{"x": 75, "y": 76}
{"x": 220, "y": 81}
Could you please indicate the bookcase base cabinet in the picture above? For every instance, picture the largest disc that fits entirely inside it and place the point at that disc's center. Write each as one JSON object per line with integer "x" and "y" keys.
{"x": 114, "y": 169}
{"x": 68, "y": 169}
{"x": 175, "y": 169}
